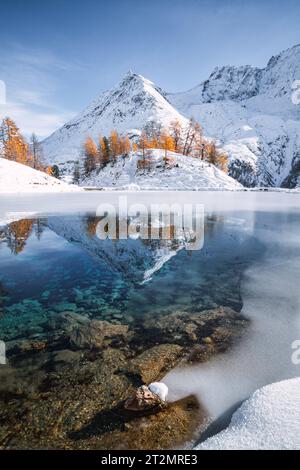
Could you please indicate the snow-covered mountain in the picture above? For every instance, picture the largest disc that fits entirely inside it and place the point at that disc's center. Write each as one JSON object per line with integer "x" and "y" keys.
{"x": 248, "y": 110}
{"x": 127, "y": 107}
{"x": 251, "y": 114}
{"x": 17, "y": 178}
{"x": 181, "y": 172}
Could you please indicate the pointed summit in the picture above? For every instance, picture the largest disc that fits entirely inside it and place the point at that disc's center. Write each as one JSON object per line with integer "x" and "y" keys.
{"x": 137, "y": 79}
{"x": 129, "y": 105}
{"x": 128, "y": 75}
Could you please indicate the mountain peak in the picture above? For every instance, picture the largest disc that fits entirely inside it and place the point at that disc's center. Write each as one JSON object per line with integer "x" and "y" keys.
{"x": 130, "y": 72}
{"x": 129, "y": 75}
{"x": 291, "y": 52}
{"x": 129, "y": 105}
{"x": 135, "y": 79}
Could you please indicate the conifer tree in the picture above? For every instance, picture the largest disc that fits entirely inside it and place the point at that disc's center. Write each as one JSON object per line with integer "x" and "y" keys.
{"x": 76, "y": 174}
{"x": 153, "y": 130}
{"x": 124, "y": 145}
{"x": 114, "y": 144}
{"x": 36, "y": 152}
{"x": 216, "y": 157}
{"x": 176, "y": 132}
{"x": 167, "y": 143}
{"x": 90, "y": 152}
{"x": 190, "y": 135}
{"x": 143, "y": 143}
{"x": 53, "y": 171}
{"x": 105, "y": 151}
{"x": 12, "y": 144}
{"x": 222, "y": 162}
{"x": 199, "y": 144}
{"x": 211, "y": 153}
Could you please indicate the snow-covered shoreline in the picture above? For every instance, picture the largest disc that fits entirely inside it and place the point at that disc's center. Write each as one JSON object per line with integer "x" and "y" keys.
{"x": 184, "y": 174}
{"x": 268, "y": 420}
{"x": 17, "y": 178}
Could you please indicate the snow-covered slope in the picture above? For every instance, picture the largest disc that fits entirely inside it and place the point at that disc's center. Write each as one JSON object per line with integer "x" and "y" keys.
{"x": 251, "y": 114}
{"x": 127, "y": 107}
{"x": 15, "y": 178}
{"x": 181, "y": 172}
{"x": 269, "y": 420}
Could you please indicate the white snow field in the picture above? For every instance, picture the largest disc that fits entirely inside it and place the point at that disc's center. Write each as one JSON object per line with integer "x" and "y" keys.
{"x": 17, "y": 178}
{"x": 268, "y": 420}
{"x": 182, "y": 173}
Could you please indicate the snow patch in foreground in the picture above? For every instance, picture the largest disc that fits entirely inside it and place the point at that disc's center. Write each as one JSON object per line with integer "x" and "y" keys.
{"x": 270, "y": 419}
{"x": 18, "y": 178}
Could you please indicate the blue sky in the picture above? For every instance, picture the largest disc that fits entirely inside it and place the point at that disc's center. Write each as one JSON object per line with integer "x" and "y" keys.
{"x": 56, "y": 56}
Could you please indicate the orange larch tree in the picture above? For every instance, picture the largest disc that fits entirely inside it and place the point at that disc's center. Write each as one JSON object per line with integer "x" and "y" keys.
{"x": 90, "y": 153}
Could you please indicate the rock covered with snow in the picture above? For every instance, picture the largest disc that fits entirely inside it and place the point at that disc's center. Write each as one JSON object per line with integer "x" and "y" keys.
{"x": 17, "y": 178}
{"x": 160, "y": 389}
{"x": 181, "y": 172}
{"x": 269, "y": 420}
{"x": 231, "y": 83}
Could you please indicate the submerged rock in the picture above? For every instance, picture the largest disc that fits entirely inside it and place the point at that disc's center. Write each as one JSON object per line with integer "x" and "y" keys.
{"x": 96, "y": 334}
{"x": 66, "y": 321}
{"x": 155, "y": 362}
{"x": 77, "y": 394}
{"x": 64, "y": 306}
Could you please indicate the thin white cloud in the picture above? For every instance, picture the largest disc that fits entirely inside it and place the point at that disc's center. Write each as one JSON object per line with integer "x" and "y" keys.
{"x": 31, "y": 78}
{"x": 40, "y": 122}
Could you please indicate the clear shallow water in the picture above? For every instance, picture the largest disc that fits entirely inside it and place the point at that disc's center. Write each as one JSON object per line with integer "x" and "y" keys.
{"x": 58, "y": 264}
{"x": 249, "y": 261}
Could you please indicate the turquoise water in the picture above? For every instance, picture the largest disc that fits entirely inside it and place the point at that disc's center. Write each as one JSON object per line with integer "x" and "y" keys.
{"x": 57, "y": 264}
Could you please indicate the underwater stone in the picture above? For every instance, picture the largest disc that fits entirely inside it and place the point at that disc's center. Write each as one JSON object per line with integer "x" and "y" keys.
{"x": 64, "y": 306}
{"x": 117, "y": 315}
{"x": 207, "y": 340}
{"x": 96, "y": 334}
